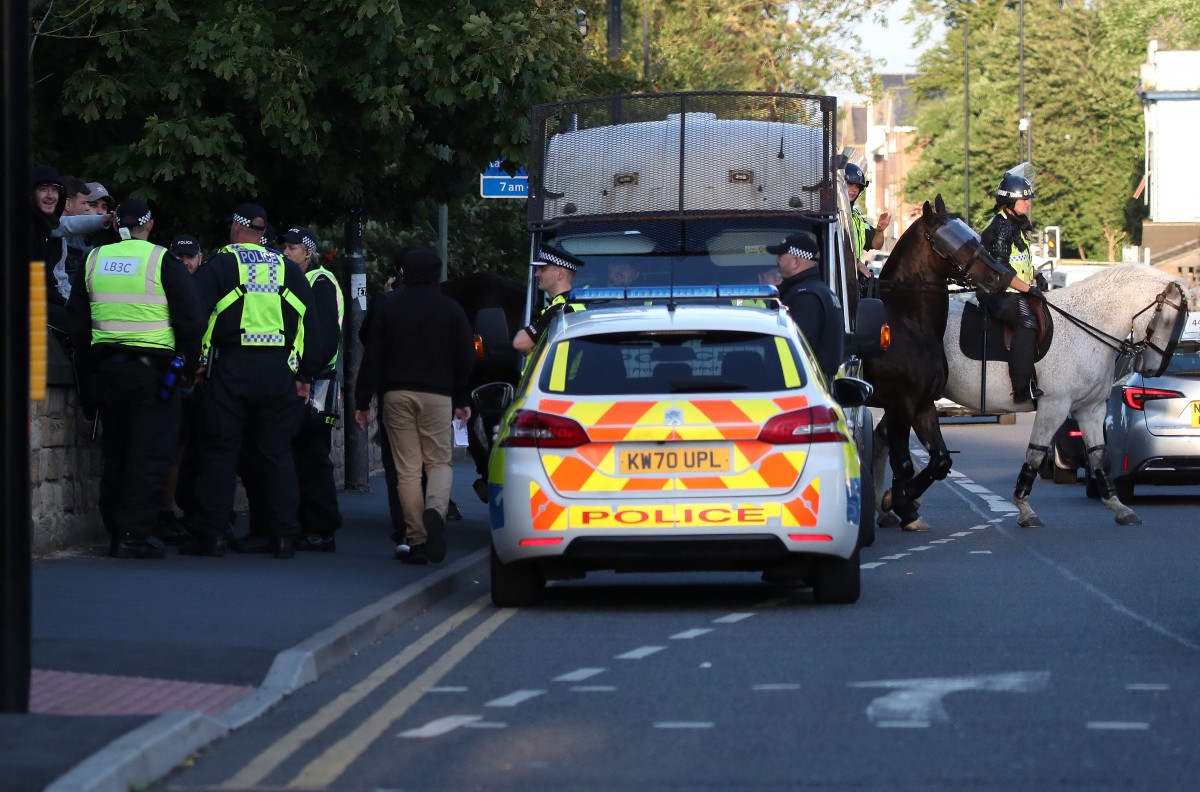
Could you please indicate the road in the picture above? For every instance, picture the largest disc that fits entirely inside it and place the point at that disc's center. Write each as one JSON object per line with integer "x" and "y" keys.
{"x": 981, "y": 656}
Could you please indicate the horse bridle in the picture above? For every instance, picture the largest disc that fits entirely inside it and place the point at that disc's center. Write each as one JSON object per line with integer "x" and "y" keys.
{"x": 1124, "y": 345}
{"x": 974, "y": 269}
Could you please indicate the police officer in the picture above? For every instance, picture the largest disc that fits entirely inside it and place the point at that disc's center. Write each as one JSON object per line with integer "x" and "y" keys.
{"x": 259, "y": 364}
{"x": 319, "y": 515}
{"x": 555, "y": 271}
{"x": 187, "y": 247}
{"x": 1006, "y": 239}
{"x": 139, "y": 334}
{"x": 813, "y": 306}
{"x": 864, "y": 235}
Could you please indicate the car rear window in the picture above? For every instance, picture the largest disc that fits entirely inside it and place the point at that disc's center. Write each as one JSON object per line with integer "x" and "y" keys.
{"x": 1185, "y": 361}
{"x": 675, "y": 362}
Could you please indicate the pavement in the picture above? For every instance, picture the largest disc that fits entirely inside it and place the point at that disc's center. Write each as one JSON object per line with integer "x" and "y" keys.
{"x": 140, "y": 663}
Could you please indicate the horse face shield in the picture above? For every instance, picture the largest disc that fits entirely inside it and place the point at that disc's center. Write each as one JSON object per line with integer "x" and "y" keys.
{"x": 957, "y": 242}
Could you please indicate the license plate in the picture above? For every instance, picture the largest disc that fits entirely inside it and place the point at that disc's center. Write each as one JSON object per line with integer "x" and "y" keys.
{"x": 693, "y": 460}
{"x": 1195, "y": 408}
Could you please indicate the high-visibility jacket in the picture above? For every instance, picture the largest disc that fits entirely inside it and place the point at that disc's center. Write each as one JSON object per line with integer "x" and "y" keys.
{"x": 1020, "y": 260}
{"x": 262, "y": 295}
{"x": 859, "y": 235}
{"x": 128, "y": 304}
{"x": 320, "y": 272}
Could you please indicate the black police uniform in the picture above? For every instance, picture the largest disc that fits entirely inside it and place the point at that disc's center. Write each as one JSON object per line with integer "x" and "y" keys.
{"x": 1004, "y": 233}
{"x": 817, "y": 313}
{"x": 250, "y": 396}
{"x": 140, "y": 427}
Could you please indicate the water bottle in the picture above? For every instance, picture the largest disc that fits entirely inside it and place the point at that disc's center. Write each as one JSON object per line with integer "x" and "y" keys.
{"x": 171, "y": 378}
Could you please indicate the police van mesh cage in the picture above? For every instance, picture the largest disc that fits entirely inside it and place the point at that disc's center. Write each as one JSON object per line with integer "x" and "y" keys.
{"x": 682, "y": 155}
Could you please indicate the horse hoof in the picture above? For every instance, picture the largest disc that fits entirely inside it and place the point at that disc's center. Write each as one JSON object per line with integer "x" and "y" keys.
{"x": 885, "y": 504}
{"x": 887, "y": 520}
{"x": 1032, "y": 521}
{"x": 916, "y": 526}
{"x": 1129, "y": 518}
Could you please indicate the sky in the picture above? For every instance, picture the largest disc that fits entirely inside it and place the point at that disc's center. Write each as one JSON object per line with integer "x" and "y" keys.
{"x": 894, "y": 43}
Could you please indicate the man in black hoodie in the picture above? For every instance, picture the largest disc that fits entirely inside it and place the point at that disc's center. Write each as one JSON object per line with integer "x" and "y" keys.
{"x": 419, "y": 356}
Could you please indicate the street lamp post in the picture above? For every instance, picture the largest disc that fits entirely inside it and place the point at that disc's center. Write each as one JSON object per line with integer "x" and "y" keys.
{"x": 966, "y": 124}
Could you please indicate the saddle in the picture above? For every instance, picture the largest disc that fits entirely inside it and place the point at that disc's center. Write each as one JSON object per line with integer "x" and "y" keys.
{"x": 999, "y": 335}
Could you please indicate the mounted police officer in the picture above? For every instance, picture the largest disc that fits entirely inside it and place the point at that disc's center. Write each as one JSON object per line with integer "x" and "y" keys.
{"x": 864, "y": 235}
{"x": 1006, "y": 239}
{"x": 257, "y": 353}
{"x": 319, "y": 515}
{"x": 555, "y": 271}
{"x": 139, "y": 334}
{"x": 813, "y": 306}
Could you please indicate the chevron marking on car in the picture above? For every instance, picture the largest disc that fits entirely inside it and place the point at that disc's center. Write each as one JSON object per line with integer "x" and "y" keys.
{"x": 546, "y": 514}
{"x": 596, "y": 473}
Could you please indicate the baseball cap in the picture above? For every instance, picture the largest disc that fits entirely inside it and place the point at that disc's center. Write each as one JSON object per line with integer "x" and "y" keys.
{"x": 185, "y": 245}
{"x": 560, "y": 258}
{"x": 299, "y": 235}
{"x": 96, "y": 192}
{"x": 801, "y": 244}
{"x": 251, "y": 215}
{"x": 133, "y": 213}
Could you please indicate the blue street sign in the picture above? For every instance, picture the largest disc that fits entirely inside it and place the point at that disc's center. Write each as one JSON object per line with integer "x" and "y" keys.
{"x": 496, "y": 183}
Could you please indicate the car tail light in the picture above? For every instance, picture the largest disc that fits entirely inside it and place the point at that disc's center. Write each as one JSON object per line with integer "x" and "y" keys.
{"x": 1136, "y": 397}
{"x": 532, "y": 429}
{"x": 811, "y": 425}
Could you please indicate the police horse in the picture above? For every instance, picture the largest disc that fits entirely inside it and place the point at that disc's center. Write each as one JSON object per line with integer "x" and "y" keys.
{"x": 1092, "y": 322}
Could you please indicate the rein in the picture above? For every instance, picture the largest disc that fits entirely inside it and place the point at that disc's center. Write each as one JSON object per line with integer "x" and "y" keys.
{"x": 1122, "y": 346}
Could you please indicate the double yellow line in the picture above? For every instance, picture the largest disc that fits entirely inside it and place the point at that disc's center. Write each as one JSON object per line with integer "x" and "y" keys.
{"x": 335, "y": 760}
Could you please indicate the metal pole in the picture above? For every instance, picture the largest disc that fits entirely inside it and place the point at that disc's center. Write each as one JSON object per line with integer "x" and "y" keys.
{"x": 646, "y": 45}
{"x": 966, "y": 125}
{"x": 614, "y": 29}
{"x": 1021, "y": 82}
{"x": 15, "y": 573}
{"x": 356, "y": 451}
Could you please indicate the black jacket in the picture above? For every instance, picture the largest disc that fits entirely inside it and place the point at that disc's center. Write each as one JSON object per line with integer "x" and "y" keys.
{"x": 817, "y": 313}
{"x": 420, "y": 340}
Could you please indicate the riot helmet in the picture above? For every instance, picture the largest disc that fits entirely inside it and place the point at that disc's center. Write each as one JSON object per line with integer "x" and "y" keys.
{"x": 855, "y": 175}
{"x": 1013, "y": 188}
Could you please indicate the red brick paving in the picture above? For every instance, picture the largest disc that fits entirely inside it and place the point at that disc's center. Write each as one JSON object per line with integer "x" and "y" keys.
{"x": 69, "y": 693}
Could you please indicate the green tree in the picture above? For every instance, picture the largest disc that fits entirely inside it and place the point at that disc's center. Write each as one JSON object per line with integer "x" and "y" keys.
{"x": 1081, "y": 68}
{"x": 308, "y": 107}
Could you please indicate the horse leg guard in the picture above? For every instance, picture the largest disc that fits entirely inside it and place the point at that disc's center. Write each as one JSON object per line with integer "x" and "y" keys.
{"x": 1123, "y": 515}
{"x": 1027, "y": 518}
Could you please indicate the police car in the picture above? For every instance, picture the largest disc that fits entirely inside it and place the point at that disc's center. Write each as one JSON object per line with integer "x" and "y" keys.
{"x": 697, "y": 433}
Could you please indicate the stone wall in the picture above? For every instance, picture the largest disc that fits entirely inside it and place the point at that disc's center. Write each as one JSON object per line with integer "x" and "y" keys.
{"x": 65, "y": 465}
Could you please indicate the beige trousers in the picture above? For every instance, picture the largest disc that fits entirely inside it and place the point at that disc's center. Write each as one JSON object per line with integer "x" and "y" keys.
{"x": 419, "y": 429}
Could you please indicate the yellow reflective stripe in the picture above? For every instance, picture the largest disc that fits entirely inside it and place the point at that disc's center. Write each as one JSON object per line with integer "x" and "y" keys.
{"x": 558, "y": 370}
{"x": 791, "y": 377}
{"x": 122, "y": 327}
{"x": 139, "y": 299}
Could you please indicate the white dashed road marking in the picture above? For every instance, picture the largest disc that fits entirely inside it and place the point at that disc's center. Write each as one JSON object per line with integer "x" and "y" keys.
{"x": 579, "y": 674}
{"x": 732, "y": 618}
{"x": 1147, "y": 686}
{"x": 871, "y": 565}
{"x": 446, "y": 689}
{"x": 514, "y": 698}
{"x": 777, "y": 686}
{"x": 592, "y": 688}
{"x": 683, "y": 725}
{"x": 1118, "y": 725}
{"x": 980, "y": 552}
{"x": 639, "y": 653}
{"x": 693, "y": 633}
{"x": 441, "y": 726}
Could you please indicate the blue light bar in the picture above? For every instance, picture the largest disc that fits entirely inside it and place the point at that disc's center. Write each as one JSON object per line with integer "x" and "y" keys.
{"x": 750, "y": 291}
{"x": 605, "y": 293}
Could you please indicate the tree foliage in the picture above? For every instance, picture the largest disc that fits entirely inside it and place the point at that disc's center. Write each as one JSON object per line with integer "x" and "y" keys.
{"x": 1081, "y": 64}
{"x": 308, "y": 107}
{"x": 314, "y": 107}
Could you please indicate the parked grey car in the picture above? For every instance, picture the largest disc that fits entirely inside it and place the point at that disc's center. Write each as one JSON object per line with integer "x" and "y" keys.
{"x": 1152, "y": 428}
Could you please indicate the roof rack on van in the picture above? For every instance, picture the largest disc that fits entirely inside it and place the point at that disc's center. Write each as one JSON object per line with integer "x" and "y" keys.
{"x": 760, "y": 296}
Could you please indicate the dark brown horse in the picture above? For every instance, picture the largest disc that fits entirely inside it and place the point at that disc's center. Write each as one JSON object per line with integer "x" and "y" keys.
{"x": 911, "y": 375}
